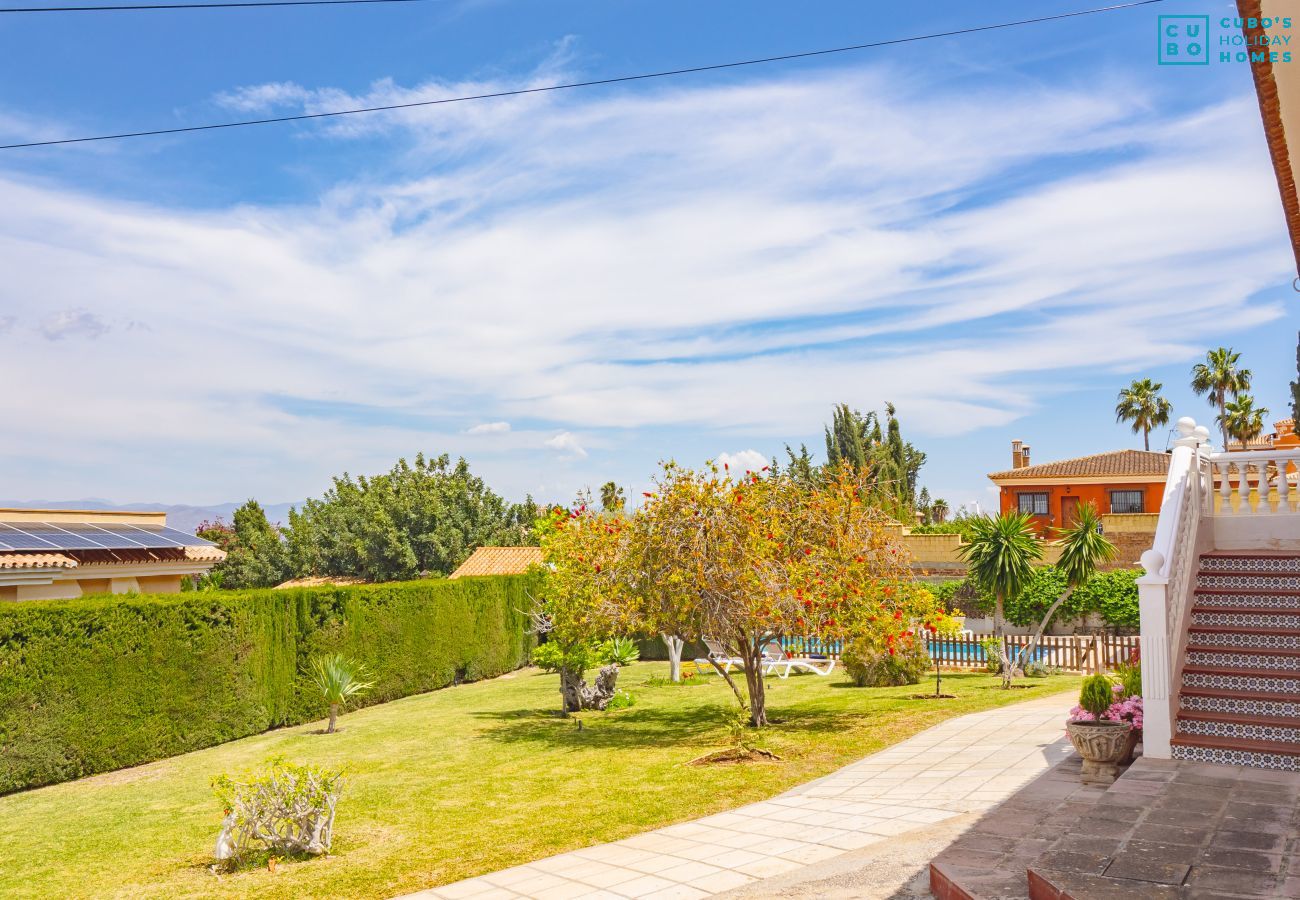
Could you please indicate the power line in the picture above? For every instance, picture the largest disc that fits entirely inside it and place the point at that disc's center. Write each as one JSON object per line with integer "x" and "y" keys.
{"x": 140, "y": 6}
{"x": 302, "y": 117}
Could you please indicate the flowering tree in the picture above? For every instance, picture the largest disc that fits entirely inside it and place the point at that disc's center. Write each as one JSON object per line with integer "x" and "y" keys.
{"x": 580, "y": 603}
{"x": 744, "y": 560}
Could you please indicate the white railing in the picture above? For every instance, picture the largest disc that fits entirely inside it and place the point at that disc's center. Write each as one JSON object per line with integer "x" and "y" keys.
{"x": 1252, "y": 482}
{"x": 1164, "y": 591}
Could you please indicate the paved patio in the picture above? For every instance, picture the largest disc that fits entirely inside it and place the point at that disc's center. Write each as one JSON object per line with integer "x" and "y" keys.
{"x": 965, "y": 765}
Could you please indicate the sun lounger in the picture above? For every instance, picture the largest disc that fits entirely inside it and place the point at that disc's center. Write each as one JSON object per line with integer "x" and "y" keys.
{"x": 718, "y": 654}
{"x": 775, "y": 661}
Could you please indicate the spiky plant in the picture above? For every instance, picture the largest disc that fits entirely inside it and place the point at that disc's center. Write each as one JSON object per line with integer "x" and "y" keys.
{"x": 1000, "y": 559}
{"x": 339, "y": 679}
{"x": 1243, "y": 420}
{"x": 1083, "y": 550}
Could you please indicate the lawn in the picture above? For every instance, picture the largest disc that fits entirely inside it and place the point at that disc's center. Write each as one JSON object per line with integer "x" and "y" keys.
{"x": 460, "y": 782}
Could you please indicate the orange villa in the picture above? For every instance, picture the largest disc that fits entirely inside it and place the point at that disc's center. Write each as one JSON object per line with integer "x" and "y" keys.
{"x": 1121, "y": 482}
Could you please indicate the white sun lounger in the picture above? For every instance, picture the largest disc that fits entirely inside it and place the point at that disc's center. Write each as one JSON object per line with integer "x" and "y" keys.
{"x": 776, "y": 662}
{"x": 718, "y": 654}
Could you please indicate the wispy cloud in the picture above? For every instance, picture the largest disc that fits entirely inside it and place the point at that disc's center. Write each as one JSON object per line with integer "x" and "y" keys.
{"x": 727, "y": 261}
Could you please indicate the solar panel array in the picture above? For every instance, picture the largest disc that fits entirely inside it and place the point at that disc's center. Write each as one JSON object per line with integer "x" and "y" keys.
{"x": 45, "y": 537}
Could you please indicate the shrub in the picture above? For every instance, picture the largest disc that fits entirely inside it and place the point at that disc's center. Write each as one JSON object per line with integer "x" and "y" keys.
{"x": 871, "y": 667}
{"x": 992, "y": 648}
{"x": 1112, "y": 594}
{"x": 79, "y": 679}
{"x": 1096, "y": 695}
{"x": 287, "y": 810}
{"x": 621, "y": 651}
{"x": 1039, "y": 669}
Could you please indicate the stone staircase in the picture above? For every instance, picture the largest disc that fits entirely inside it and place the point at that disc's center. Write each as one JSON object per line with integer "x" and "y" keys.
{"x": 1239, "y": 702}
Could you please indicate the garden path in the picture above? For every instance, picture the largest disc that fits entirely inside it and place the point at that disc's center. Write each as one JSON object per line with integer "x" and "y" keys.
{"x": 961, "y": 766}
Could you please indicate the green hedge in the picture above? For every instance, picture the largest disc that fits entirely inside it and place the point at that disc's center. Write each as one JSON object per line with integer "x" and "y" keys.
{"x": 1113, "y": 594}
{"x": 101, "y": 683}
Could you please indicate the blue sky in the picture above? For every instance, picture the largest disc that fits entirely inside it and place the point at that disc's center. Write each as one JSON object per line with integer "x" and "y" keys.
{"x": 995, "y": 232}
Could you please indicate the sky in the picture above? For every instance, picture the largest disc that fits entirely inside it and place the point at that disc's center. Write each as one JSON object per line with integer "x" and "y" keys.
{"x": 995, "y": 232}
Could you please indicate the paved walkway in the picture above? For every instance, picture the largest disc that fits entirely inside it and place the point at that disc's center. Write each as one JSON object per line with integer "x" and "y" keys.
{"x": 968, "y": 764}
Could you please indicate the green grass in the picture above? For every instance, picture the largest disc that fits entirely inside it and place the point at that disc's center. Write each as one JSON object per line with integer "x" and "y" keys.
{"x": 460, "y": 782}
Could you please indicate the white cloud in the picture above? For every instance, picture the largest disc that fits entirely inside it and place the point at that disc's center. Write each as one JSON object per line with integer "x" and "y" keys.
{"x": 729, "y": 261}
{"x": 744, "y": 461}
{"x": 565, "y": 442}
{"x": 73, "y": 323}
{"x": 489, "y": 428}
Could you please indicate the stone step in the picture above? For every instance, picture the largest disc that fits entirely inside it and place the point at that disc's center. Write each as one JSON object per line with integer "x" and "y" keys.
{"x": 1234, "y": 725}
{"x": 1236, "y": 752}
{"x": 1223, "y": 560}
{"x": 1249, "y": 581}
{"x": 1245, "y": 659}
{"x": 1242, "y": 703}
{"x": 1235, "y": 636}
{"x": 1234, "y": 679}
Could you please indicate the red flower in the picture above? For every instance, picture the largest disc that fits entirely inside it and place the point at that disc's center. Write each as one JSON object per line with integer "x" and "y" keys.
{"x": 898, "y": 614}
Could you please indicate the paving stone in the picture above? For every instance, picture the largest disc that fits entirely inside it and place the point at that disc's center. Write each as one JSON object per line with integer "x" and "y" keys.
{"x": 1245, "y": 860}
{"x": 1234, "y": 881}
{"x": 1249, "y": 840}
{"x": 1136, "y": 867}
{"x": 1072, "y": 861}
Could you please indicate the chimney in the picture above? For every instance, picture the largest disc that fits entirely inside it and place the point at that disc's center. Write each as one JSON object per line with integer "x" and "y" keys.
{"x": 1017, "y": 455}
{"x": 1024, "y": 456}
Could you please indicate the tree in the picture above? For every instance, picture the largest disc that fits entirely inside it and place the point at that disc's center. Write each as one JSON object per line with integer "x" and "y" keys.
{"x": 1219, "y": 376}
{"x": 611, "y": 497}
{"x": 1083, "y": 550}
{"x": 339, "y": 680}
{"x": 999, "y": 559}
{"x": 800, "y": 466}
{"x": 857, "y": 441}
{"x": 1141, "y": 404}
{"x": 256, "y": 553}
{"x": 422, "y": 518}
{"x": 1242, "y": 419}
{"x": 580, "y": 603}
{"x": 761, "y": 555}
{"x": 923, "y": 505}
{"x": 1295, "y": 389}
{"x": 939, "y": 511}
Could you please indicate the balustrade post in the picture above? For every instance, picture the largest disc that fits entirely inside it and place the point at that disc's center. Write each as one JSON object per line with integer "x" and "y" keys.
{"x": 1153, "y": 607}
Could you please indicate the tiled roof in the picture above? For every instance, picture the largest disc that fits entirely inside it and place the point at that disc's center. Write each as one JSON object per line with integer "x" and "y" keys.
{"x": 36, "y": 561}
{"x": 499, "y": 561}
{"x": 1128, "y": 463}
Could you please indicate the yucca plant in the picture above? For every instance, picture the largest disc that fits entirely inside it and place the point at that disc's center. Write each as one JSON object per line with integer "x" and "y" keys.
{"x": 1000, "y": 559}
{"x": 339, "y": 679}
{"x": 622, "y": 651}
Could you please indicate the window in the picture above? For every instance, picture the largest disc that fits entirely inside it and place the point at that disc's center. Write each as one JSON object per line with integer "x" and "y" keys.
{"x": 1034, "y": 504}
{"x": 1126, "y": 501}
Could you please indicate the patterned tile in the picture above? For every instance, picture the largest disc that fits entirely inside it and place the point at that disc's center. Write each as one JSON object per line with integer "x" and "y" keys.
{"x": 1261, "y": 582}
{"x": 1242, "y": 683}
{"x": 1240, "y": 639}
{"x": 1247, "y": 620}
{"x": 1251, "y": 564}
{"x": 1228, "y": 597}
{"x": 1227, "y": 660}
{"x": 1250, "y": 730}
{"x": 1238, "y": 758}
{"x": 1260, "y": 706}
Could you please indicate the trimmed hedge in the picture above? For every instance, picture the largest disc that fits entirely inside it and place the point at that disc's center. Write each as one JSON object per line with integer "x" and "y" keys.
{"x": 102, "y": 683}
{"x": 1113, "y": 594}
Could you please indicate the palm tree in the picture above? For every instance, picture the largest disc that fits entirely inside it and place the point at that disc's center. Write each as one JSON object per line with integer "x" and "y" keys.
{"x": 611, "y": 497}
{"x": 1141, "y": 404}
{"x": 1219, "y": 376}
{"x": 1083, "y": 550}
{"x": 939, "y": 510}
{"x": 1000, "y": 559}
{"x": 1242, "y": 419}
{"x": 339, "y": 679}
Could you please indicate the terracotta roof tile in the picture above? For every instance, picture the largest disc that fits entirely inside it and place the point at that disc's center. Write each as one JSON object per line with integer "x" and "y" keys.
{"x": 1128, "y": 463}
{"x": 36, "y": 561}
{"x": 499, "y": 561}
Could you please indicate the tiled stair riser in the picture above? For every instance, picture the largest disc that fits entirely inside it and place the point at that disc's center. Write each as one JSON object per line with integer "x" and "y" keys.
{"x": 1256, "y": 759}
{"x": 1245, "y": 640}
{"x": 1255, "y": 706}
{"x": 1249, "y": 730}
{"x": 1234, "y": 682}
{"x": 1229, "y": 660}
{"x": 1251, "y": 564}
{"x": 1248, "y": 620}
{"x": 1230, "y": 598}
{"x": 1263, "y": 581}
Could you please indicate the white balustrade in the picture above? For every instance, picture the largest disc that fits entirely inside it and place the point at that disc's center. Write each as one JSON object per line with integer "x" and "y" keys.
{"x": 1252, "y": 482}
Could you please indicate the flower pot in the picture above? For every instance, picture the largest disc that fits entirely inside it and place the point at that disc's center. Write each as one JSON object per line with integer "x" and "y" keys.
{"x": 1102, "y": 746}
{"x": 1134, "y": 735}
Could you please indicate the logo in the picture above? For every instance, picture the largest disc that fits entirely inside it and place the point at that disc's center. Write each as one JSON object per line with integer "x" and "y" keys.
{"x": 1184, "y": 41}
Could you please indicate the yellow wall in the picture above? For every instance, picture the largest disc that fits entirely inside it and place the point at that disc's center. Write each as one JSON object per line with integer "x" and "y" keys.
{"x": 94, "y": 516}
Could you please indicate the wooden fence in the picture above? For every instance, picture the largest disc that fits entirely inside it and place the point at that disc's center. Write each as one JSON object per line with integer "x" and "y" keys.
{"x": 1075, "y": 653}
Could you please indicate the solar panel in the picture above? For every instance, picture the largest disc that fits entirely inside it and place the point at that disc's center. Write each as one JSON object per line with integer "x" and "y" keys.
{"x": 18, "y": 540}
{"x": 145, "y": 536}
{"x": 58, "y": 536}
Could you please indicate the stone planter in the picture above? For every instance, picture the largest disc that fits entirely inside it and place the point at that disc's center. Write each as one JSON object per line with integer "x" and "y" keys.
{"x": 1102, "y": 745}
{"x": 1134, "y": 738}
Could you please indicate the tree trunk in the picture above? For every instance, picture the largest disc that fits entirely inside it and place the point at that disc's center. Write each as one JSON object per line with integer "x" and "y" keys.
{"x": 1000, "y": 630}
{"x": 334, "y": 717}
{"x": 752, "y": 652}
{"x": 1146, "y": 439}
{"x": 571, "y": 685}
{"x": 674, "y": 645}
{"x": 577, "y": 695}
{"x": 1026, "y": 655}
{"x": 1223, "y": 419}
{"x": 731, "y": 682}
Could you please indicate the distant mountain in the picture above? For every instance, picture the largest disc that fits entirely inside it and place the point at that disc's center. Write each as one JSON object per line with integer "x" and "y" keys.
{"x": 181, "y": 516}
